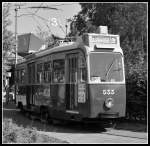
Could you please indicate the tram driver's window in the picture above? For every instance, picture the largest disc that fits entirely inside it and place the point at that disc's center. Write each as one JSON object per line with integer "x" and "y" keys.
{"x": 82, "y": 69}
{"x": 58, "y": 71}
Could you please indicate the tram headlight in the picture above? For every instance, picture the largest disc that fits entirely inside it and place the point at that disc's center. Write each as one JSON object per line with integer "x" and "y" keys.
{"x": 109, "y": 102}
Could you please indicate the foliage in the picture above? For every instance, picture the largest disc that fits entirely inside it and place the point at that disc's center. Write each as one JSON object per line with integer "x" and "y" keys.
{"x": 129, "y": 20}
{"x": 49, "y": 38}
{"x": 14, "y": 134}
{"x": 8, "y": 38}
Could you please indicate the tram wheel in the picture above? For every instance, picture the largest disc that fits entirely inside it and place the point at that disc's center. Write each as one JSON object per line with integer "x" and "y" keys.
{"x": 113, "y": 124}
{"x": 110, "y": 124}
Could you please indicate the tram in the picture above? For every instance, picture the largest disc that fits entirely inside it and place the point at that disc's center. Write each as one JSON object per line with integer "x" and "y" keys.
{"x": 76, "y": 81}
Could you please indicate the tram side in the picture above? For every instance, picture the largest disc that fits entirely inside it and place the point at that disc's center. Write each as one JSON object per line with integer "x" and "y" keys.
{"x": 51, "y": 84}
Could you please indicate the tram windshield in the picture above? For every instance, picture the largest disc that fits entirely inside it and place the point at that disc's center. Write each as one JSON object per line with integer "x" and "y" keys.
{"x": 106, "y": 67}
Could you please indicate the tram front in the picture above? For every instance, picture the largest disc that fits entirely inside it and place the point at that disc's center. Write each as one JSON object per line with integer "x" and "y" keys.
{"x": 107, "y": 85}
{"x": 106, "y": 88}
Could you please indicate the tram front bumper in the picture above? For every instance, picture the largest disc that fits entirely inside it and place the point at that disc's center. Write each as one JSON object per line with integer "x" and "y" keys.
{"x": 108, "y": 115}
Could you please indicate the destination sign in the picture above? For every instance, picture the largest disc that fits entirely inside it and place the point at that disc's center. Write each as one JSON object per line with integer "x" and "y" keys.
{"x": 103, "y": 39}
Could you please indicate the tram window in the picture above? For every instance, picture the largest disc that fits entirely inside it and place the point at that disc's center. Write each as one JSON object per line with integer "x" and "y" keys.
{"x": 106, "y": 67}
{"x": 40, "y": 73}
{"x": 82, "y": 69}
{"x": 58, "y": 71}
{"x": 31, "y": 73}
{"x": 47, "y": 72}
{"x": 22, "y": 76}
{"x": 21, "y": 90}
{"x": 17, "y": 76}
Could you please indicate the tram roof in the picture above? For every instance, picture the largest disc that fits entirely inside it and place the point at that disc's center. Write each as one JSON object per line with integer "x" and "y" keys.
{"x": 85, "y": 43}
{"x": 64, "y": 47}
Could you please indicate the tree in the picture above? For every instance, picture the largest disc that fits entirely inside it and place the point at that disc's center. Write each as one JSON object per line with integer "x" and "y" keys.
{"x": 129, "y": 20}
{"x": 50, "y": 39}
{"x": 8, "y": 38}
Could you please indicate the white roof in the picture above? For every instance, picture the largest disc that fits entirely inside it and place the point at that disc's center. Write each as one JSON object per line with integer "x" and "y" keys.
{"x": 62, "y": 47}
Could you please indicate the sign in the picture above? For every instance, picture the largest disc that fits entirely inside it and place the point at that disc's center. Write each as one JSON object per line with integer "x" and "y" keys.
{"x": 81, "y": 97}
{"x": 103, "y": 39}
{"x": 9, "y": 74}
{"x": 91, "y": 39}
{"x": 108, "y": 92}
{"x": 81, "y": 93}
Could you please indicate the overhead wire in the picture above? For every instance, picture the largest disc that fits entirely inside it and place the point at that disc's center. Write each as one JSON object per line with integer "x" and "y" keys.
{"x": 38, "y": 8}
{"x": 62, "y": 4}
{"x": 45, "y": 20}
{"x": 33, "y": 16}
{"x": 47, "y": 5}
{"x": 58, "y": 23}
{"x": 42, "y": 18}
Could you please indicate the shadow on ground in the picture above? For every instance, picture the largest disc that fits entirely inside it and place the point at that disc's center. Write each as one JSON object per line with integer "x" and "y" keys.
{"x": 131, "y": 126}
{"x": 10, "y": 111}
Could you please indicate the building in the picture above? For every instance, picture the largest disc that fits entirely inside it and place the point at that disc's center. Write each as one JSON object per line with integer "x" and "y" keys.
{"x": 27, "y": 43}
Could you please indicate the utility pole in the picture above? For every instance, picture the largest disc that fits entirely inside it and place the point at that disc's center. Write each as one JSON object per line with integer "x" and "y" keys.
{"x": 16, "y": 50}
{"x": 16, "y": 37}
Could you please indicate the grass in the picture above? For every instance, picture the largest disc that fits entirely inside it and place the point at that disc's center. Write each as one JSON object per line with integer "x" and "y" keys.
{"x": 12, "y": 133}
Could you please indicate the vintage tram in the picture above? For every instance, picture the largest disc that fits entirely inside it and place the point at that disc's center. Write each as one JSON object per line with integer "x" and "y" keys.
{"x": 74, "y": 81}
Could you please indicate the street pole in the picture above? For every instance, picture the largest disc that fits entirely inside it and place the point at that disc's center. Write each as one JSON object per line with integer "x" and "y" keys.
{"x": 16, "y": 37}
{"x": 16, "y": 45}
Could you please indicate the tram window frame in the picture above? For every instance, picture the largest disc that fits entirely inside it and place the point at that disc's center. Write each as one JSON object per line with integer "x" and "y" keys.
{"x": 82, "y": 69}
{"x": 47, "y": 72}
{"x": 31, "y": 73}
{"x": 22, "y": 77}
{"x": 21, "y": 90}
{"x": 17, "y": 76}
{"x": 59, "y": 71}
{"x": 40, "y": 71}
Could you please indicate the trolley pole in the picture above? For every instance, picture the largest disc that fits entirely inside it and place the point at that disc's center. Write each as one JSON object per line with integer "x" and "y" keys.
{"x": 66, "y": 25}
{"x": 66, "y": 29}
{"x": 16, "y": 50}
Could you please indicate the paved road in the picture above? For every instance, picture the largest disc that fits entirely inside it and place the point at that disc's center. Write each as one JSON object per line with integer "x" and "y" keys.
{"x": 95, "y": 138}
{"x": 75, "y": 133}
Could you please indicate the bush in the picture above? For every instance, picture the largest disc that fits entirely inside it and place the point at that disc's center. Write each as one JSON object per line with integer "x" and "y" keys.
{"x": 136, "y": 83}
{"x": 14, "y": 134}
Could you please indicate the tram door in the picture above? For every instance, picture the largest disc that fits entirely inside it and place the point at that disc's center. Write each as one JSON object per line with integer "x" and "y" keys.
{"x": 72, "y": 86}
